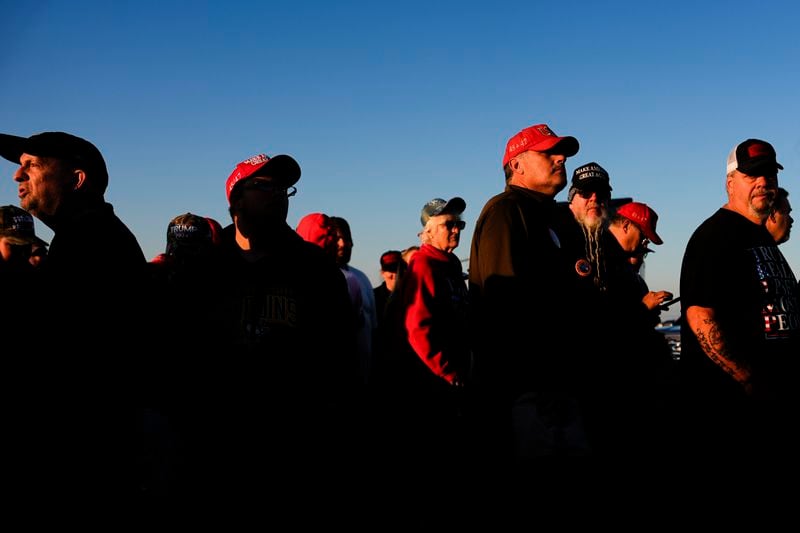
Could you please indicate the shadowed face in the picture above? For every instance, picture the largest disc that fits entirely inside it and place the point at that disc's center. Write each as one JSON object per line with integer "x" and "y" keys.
{"x": 343, "y": 245}
{"x": 259, "y": 206}
{"x": 780, "y": 221}
{"x": 632, "y": 239}
{"x": 590, "y": 207}
{"x": 390, "y": 278}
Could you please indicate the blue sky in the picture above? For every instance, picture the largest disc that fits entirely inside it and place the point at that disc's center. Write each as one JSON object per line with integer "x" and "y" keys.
{"x": 386, "y": 106}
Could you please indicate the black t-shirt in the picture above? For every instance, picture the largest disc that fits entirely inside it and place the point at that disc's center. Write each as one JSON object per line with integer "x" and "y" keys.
{"x": 734, "y": 266}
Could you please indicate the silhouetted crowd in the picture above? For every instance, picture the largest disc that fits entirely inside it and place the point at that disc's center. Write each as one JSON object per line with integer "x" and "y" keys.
{"x": 256, "y": 347}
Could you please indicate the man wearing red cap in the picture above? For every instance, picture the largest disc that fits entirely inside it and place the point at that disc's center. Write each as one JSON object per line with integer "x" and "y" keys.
{"x": 628, "y": 412}
{"x": 740, "y": 319}
{"x": 390, "y": 262}
{"x": 628, "y": 218}
{"x": 288, "y": 293}
{"x": 520, "y": 297}
{"x": 286, "y": 373}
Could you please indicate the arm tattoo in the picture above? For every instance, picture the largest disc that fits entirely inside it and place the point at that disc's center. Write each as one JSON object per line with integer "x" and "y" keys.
{"x": 713, "y": 344}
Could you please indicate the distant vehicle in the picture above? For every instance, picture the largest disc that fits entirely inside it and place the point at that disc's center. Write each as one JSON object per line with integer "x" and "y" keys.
{"x": 671, "y": 329}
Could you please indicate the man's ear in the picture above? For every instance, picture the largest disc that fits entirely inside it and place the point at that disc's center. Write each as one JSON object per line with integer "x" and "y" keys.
{"x": 79, "y": 178}
{"x": 728, "y": 180}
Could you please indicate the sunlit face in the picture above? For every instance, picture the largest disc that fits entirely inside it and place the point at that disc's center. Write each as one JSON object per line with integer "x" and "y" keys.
{"x": 752, "y": 195}
{"x": 444, "y": 231}
{"x": 541, "y": 171}
{"x": 43, "y": 184}
{"x": 590, "y": 208}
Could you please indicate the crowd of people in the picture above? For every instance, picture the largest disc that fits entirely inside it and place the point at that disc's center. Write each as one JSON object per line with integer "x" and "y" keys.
{"x": 253, "y": 343}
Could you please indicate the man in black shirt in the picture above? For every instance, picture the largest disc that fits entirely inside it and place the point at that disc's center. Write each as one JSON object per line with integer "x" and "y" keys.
{"x": 740, "y": 318}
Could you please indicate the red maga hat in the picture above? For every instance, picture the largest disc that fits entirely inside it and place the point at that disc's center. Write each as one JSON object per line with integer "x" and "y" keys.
{"x": 283, "y": 169}
{"x": 644, "y": 217}
{"x": 539, "y": 138}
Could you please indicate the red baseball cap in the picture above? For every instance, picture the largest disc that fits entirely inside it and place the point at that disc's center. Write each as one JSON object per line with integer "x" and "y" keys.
{"x": 642, "y": 216}
{"x": 390, "y": 261}
{"x": 281, "y": 168}
{"x": 315, "y": 228}
{"x": 539, "y": 138}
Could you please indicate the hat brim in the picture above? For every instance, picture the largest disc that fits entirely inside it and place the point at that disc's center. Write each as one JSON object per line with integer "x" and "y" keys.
{"x": 566, "y": 146}
{"x": 390, "y": 267}
{"x": 653, "y": 236}
{"x": 454, "y": 206}
{"x": 282, "y": 168}
{"x": 17, "y": 240}
{"x": 12, "y": 147}
{"x": 759, "y": 167}
{"x": 593, "y": 184}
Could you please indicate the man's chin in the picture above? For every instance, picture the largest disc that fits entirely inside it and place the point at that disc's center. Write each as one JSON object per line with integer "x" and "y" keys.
{"x": 761, "y": 205}
{"x": 592, "y": 223}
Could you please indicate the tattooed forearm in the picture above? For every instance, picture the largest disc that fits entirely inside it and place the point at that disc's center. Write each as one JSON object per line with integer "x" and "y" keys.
{"x": 713, "y": 344}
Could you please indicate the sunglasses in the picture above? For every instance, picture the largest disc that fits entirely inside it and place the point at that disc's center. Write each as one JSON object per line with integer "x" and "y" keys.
{"x": 266, "y": 186}
{"x": 645, "y": 242}
{"x": 602, "y": 196}
{"x": 450, "y": 224}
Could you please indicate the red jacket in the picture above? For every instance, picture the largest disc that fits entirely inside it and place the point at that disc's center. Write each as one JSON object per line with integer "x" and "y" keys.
{"x": 435, "y": 302}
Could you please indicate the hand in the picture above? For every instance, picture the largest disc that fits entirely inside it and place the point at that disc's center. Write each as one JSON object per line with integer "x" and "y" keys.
{"x": 654, "y": 299}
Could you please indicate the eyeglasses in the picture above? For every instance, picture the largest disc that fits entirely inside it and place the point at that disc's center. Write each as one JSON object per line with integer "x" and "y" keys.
{"x": 601, "y": 196}
{"x": 269, "y": 187}
{"x": 645, "y": 241}
{"x": 450, "y": 224}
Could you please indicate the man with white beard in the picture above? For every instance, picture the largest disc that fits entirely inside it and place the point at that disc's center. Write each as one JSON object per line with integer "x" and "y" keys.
{"x": 585, "y": 222}
{"x": 613, "y": 321}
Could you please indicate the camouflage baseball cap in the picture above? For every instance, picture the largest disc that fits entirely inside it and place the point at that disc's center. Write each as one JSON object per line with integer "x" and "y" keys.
{"x": 16, "y": 225}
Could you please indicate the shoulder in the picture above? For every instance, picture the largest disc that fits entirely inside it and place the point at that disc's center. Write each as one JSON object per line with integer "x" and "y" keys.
{"x": 505, "y": 200}
{"x": 500, "y": 210}
{"x": 725, "y": 228}
{"x": 359, "y": 274}
{"x": 424, "y": 263}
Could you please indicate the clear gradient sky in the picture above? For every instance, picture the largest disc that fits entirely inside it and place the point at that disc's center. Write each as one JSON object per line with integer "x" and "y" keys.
{"x": 388, "y": 105}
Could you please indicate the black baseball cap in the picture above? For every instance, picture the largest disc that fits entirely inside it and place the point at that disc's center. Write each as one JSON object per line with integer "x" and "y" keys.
{"x": 753, "y": 157}
{"x": 59, "y": 145}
